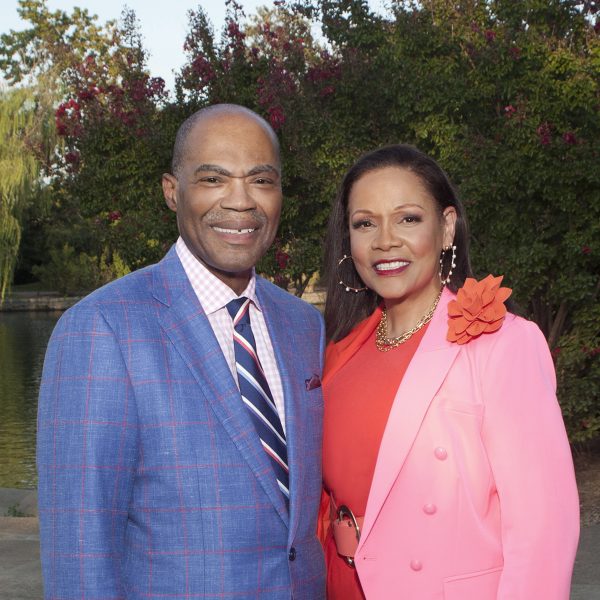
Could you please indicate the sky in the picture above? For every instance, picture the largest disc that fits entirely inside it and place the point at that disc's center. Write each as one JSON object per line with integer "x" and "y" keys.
{"x": 164, "y": 25}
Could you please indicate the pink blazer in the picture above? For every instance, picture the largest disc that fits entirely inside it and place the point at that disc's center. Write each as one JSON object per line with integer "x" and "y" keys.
{"x": 474, "y": 494}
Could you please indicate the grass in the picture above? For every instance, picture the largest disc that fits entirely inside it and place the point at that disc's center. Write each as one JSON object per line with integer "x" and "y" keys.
{"x": 14, "y": 511}
{"x": 34, "y": 286}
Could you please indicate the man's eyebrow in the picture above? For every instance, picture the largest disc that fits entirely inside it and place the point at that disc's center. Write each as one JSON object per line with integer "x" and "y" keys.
{"x": 263, "y": 169}
{"x": 266, "y": 168}
{"x": 212, "y": 168}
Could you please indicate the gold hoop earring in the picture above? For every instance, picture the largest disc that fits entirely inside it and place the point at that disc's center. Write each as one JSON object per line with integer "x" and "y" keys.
{"x": 446, "y": 281}
{"x": 349, "y": 288}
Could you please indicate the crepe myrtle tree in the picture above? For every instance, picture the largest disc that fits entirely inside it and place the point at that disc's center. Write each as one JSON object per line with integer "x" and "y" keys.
{"x": 503, "y": 94}
{"x": 116, "y": 132}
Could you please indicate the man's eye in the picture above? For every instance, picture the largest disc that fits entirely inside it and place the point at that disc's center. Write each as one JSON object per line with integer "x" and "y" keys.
{"x": 210, "y": 180}
{"x": 263, "y": 181}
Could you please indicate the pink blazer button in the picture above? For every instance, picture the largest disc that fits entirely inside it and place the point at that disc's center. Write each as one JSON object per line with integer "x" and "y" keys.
{"x": 440, "y": 453}
{"x": 430, "y": 509}
{"x": 416, "y": 565}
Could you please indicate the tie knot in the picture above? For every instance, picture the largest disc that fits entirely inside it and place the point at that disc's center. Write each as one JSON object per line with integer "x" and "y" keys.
{"x": 239, "y": 311}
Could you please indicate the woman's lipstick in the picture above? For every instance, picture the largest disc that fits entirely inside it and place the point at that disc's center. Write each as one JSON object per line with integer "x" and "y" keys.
{"x": 387, "y": 268}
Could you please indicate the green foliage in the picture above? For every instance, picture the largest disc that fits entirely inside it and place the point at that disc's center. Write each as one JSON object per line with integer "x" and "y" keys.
{"x": 19, "y": 173}
{"x": 75, "y": 274}
{"x": 578, "y": 374}
{"x": 54, "y": 45}
{"x": 117, "y": 140}
{"x": 504, "y": 94}
{"x": 14, "y": 511}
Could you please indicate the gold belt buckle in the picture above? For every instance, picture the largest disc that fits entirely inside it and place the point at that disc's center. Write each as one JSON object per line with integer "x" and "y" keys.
{"x": 344, "y": 511}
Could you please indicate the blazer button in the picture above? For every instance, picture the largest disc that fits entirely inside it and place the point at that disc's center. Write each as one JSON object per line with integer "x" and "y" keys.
{"x": 292, "y": 553}
{"x": 416, "y": 565}
{"x": 441, "y": 453}
{"x": 430, "y": 509}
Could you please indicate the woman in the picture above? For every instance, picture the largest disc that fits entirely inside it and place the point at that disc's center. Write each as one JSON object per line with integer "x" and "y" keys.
{"x": 444, "y": 447}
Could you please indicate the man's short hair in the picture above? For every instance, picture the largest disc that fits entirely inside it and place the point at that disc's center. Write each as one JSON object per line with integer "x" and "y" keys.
{"x": 188, "y": 125}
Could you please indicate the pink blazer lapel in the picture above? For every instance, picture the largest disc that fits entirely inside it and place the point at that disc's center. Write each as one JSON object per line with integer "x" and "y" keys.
{"x": 421, "y": 382}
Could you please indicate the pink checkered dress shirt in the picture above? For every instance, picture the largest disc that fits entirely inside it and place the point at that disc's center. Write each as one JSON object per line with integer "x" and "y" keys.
{"x": 213, "y": 296}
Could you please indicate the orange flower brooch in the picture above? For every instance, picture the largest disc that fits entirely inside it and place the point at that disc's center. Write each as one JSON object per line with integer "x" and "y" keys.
{"x": 478, "y": 308}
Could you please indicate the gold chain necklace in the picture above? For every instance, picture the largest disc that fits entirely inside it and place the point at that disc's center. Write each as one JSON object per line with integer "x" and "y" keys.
{"x": 384, "y": 343}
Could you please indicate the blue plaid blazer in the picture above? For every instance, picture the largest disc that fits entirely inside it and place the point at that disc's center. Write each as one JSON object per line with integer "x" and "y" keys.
{"x": 152, "y": 480}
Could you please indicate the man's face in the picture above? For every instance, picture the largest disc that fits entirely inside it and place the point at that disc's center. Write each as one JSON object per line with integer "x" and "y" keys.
{"x": 227, "y": 195}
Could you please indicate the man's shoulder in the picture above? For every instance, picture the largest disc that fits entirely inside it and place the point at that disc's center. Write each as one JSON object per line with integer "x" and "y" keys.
{"x": 133, "y": 283}
{"x": 135, "y": 287}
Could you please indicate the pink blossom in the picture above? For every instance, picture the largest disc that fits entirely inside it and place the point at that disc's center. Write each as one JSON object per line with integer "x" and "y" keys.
{"x": 281, "y": 280}
{"x": 282, "y": 258}
{"x": 515, "y": 52}
{"x": 114, "y": 216}
{"x": 586, "y": 250}
{"x": 72, "y": 158}
{"x": 569, "y": 137}
{"x": 490, "y": 35}
{"x": 86, "y": 95}
{"x": 544, "y": 134}
{"x": 202, "y": 68}
{"x": 509, "y": 110}
{"x": 276, "y": 117}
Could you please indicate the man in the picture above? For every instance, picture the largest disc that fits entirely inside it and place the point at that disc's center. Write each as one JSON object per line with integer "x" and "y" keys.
{"x": 162, "y": 474}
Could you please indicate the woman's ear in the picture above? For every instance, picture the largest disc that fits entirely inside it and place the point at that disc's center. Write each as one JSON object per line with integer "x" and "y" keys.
{"x": 449, "y": 223}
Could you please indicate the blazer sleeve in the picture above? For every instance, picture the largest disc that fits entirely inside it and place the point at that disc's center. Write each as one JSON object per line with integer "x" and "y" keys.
{"x": 529, "y": 453}
{"x": 85, "y": 456}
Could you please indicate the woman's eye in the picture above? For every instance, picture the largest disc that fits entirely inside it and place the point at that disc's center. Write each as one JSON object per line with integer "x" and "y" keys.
{"x": 362, "y": 224}
{"x": 411, "y": 219}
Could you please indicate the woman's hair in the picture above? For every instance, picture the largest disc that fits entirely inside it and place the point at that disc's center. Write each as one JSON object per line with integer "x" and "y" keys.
{"x": 344, "y": 310}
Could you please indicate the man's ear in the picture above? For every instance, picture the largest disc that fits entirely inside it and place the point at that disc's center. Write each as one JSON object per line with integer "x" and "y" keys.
{"x": 169, "y": 186}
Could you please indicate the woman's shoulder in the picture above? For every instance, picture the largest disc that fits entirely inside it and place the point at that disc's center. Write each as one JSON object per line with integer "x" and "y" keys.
{"x": 478, "y": 318}
{"x": 519, "y": 328}
{"x": 518, "y": 344}
{"x": 338, "y": 353}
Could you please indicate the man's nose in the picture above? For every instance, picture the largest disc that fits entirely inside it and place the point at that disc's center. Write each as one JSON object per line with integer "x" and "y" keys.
{"x": 238, "y": 196}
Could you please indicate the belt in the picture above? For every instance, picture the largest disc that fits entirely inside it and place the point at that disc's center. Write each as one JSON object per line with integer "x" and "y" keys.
{"x": 346, "y": 531}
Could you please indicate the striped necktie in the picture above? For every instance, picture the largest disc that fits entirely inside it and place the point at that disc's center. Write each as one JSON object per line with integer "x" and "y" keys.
{"x": 256, "y": 394}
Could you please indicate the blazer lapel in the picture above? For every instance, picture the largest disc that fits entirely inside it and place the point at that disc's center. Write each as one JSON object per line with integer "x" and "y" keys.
{"x": 189, "y": 330}
{"x": 420, "y": 383}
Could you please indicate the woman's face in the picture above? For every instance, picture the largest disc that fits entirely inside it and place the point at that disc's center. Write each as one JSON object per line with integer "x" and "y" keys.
{"x": 397, "y": 235}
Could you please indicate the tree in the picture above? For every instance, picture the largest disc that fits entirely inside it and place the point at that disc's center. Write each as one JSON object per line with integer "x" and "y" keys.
{"x": 19, "y": 175}
{"x": 504, "y": 94}
{"x": 117, "y": 137}
{"x": 40, "y": 63}
{"x": 50, "y": 50}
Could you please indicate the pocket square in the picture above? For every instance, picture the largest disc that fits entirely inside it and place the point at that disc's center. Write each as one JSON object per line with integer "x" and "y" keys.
{"x": 313, "y": 382}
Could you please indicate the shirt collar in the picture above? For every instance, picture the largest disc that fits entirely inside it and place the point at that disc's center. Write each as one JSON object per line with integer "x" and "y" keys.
{"x": 211, "y": 292}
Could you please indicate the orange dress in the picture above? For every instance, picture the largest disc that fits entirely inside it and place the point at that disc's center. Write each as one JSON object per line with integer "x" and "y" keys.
{"x": 358, "y": 399}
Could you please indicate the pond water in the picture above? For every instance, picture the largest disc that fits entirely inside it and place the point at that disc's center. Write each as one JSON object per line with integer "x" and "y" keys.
{"x": 23, "y": 340}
